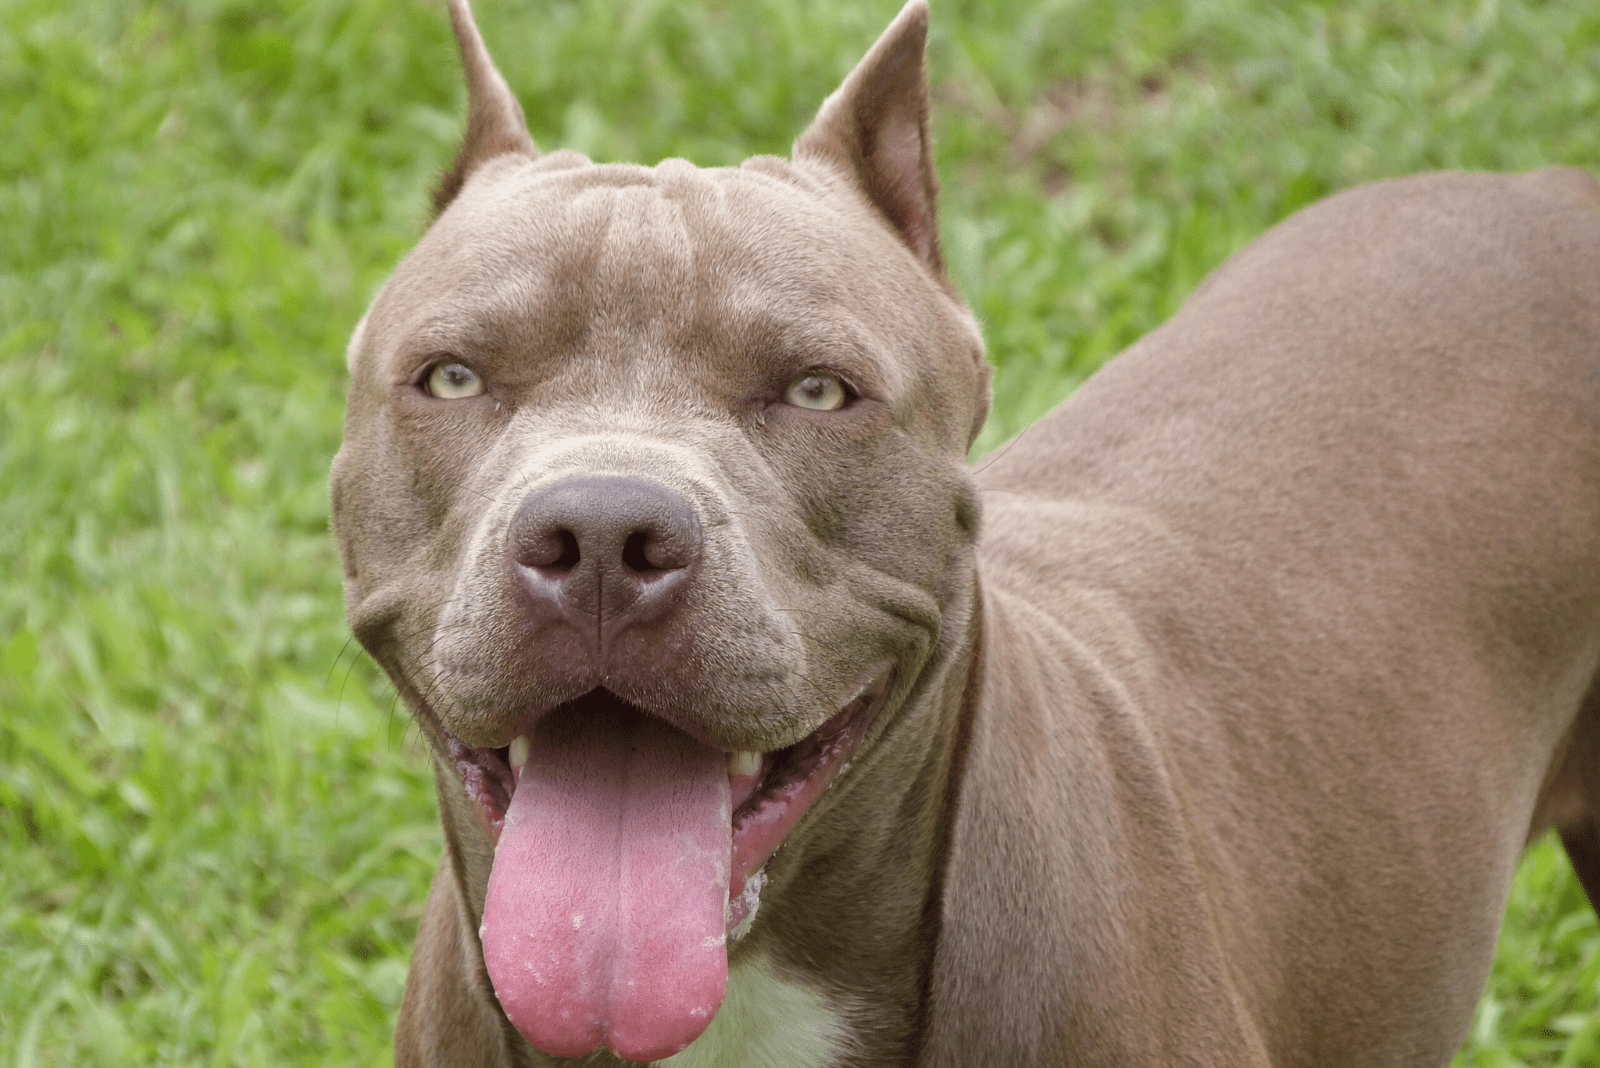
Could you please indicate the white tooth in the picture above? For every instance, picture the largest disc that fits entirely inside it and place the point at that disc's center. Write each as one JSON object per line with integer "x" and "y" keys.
{"x": 520, "y": 747}
{"x": 744, "y": 762}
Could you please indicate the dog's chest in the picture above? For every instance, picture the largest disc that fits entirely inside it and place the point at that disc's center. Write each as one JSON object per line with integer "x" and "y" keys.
{"x": 767, "y": 1022}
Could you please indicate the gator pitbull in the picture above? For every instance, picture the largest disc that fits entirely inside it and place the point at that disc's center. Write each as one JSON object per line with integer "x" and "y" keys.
{"x": 1217, "y": 747}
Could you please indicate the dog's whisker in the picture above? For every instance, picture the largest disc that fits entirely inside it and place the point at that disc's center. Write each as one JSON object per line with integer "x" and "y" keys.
{"x": 989, "y": 459}
{"x": 335, "y": 665}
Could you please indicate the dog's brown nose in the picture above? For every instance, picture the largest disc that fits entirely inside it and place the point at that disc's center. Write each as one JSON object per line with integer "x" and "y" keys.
{"x": 605, "y": 551}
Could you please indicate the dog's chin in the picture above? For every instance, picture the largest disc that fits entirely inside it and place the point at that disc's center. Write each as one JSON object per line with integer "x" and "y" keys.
{"x": 768, "y": 792}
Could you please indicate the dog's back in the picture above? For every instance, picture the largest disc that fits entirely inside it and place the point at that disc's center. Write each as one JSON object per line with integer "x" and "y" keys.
{"x": 1323, "y": 556}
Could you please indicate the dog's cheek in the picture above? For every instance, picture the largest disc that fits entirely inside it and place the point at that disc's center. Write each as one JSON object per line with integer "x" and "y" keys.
{"x": 377, "y": 523}
{"x": 826, "y": 464}
{"x": 443, "y": 445}
{"x": 929, "y": 516}
{"x": 885, "y": 501}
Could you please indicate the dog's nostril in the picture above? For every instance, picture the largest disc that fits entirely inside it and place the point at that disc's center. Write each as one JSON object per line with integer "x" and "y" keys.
{"x": 645, "y": 552}
{"x": 554, "y": 550}
{"x": 633, "y": 554}
{"x": 569, "y": 551}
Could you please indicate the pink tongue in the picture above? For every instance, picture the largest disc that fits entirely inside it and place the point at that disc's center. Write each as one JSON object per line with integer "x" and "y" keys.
{"x": 604, "y": 920}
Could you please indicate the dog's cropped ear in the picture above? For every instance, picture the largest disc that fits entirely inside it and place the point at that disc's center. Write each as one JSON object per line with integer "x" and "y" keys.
{"x": 875, "y": 127}
{"x": 494, "y": 118}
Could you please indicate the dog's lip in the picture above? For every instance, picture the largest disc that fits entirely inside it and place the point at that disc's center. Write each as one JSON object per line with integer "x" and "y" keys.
{"x": 791, "y": 780}
{"x": 787, "y": 783}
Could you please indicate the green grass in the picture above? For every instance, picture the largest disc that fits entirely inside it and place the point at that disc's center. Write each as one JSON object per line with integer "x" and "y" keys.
{"x": 215, "y": 828}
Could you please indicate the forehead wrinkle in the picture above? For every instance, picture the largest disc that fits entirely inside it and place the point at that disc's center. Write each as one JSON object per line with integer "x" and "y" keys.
{"x": 644, "y": 269}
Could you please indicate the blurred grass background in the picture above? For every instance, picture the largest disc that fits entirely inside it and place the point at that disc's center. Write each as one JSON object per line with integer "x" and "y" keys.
{"x": 216, "y": 830}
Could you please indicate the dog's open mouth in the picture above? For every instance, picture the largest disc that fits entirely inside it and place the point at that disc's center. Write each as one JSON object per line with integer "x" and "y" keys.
{"x": 627, "y": 854}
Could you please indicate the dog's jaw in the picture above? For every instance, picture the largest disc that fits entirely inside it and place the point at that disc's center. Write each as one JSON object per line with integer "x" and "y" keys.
{"x": 790, "y": 782}
{"x": 769, "y": 792}
{"x": 537, "y": 800}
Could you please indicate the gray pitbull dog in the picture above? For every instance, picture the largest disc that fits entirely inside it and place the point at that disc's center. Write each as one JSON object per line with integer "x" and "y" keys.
{"x": 1217, "y": 746}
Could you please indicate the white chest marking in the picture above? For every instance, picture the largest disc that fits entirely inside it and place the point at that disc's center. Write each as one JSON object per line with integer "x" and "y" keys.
{"x": 766, "y": 1022}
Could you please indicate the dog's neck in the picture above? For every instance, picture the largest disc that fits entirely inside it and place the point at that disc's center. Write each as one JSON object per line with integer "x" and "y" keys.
{"x": 860, "y": 920}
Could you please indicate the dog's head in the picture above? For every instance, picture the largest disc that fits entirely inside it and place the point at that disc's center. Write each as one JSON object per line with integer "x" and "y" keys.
{"x": 653, "y": 503}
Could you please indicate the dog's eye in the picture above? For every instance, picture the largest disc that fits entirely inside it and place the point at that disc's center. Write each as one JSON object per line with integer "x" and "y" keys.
{"x": 453, "y": 381}
{"x": 819, "y": 391}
